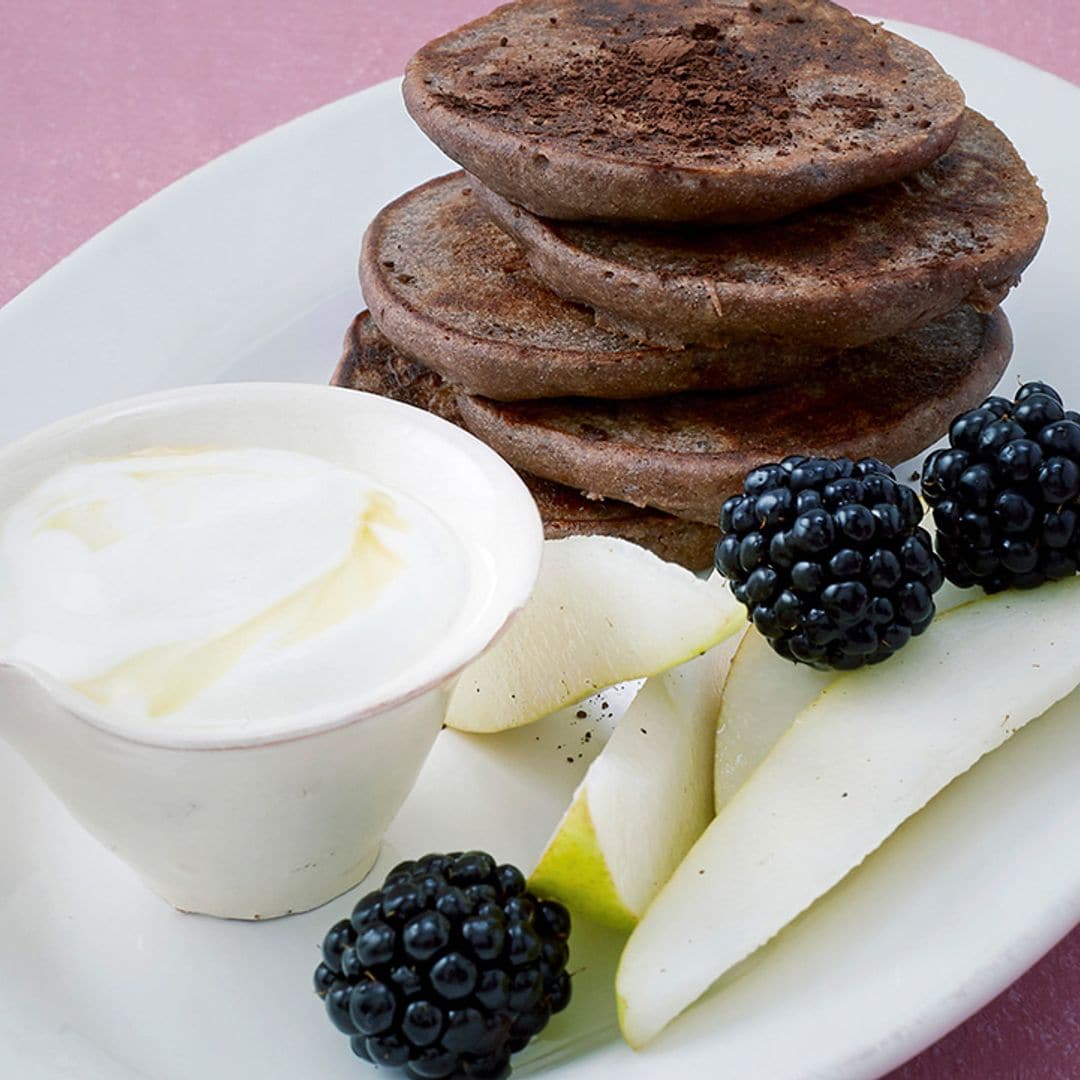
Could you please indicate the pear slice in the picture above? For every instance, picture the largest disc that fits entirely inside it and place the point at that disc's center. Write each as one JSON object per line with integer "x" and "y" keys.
{"x": 763, "y": 695}
{"x": 870, "y": 751}
{"x": 604, "y": 611}
{"x": 644, "y": 800}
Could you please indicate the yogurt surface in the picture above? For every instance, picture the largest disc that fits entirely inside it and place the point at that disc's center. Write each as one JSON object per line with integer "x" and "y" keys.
{"x": 188, "y": 587}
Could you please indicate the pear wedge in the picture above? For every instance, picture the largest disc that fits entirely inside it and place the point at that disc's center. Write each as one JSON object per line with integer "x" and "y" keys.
{"x": 762, "y": 696}
{"x": 604, "y": 611}
{"x": 872, "y": 749}
{"x": 644, "y": 800}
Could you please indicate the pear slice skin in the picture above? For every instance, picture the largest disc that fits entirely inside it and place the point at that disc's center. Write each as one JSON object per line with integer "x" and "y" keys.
{"x": 604, "y": 611}
{"x": 644, "y": 800}
{"x": 762, "y": 696}
{"x": 572, "y": 870}
{"x": 871, "y": 750}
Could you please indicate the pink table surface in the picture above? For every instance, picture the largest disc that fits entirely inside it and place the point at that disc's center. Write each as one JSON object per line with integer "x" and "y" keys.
{"x": 104, "y": 102}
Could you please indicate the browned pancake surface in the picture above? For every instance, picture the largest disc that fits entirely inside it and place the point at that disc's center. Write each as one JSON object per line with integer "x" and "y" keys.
{"x": 370, "y": 363}
{"x": 864, "y": 267}
{"x": 655, "y": 110}
{"x": 450, "y": 289}
{"x": 686, "y": 453}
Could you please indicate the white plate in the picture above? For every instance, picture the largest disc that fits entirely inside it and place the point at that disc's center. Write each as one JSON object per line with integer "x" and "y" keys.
{"x": 245, "y": 269}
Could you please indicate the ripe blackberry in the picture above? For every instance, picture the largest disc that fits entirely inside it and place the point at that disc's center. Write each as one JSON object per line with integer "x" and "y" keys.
{"x": 1006, "y": 492}
{"x": 828, "y": 557}
{"x": 448, "y": 969}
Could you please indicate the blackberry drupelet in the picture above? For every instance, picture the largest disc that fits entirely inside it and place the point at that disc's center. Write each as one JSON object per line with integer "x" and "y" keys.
{"x": 829, "y": 560}
{"x": 1006, "y": 492}
{"x": 448, "y": 969}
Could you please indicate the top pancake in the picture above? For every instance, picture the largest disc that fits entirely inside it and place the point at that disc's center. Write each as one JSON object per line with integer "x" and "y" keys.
{"x": 648, "y": 110}
{"x": 861, "y": 268}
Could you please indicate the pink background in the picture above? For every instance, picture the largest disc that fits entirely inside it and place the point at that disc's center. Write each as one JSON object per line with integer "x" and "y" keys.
{"x": 104, "y": 102}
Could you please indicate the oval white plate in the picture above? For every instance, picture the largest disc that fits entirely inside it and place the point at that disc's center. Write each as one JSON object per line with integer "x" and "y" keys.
{"x": 245, "y": 269}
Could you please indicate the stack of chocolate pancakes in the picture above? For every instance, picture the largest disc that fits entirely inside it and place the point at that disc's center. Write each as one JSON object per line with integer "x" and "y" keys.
{"x": 692, "y": 237}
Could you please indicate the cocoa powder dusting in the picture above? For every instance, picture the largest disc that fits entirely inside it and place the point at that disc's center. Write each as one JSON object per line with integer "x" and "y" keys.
{"x": 696, "y": 87}
{"x": 688, "y": 83}
{"x": 862, "y": 110}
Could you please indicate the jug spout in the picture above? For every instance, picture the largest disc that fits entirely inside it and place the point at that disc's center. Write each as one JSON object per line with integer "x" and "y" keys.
{"x": 32, "y": 719}
{"x": 28, "y": 711}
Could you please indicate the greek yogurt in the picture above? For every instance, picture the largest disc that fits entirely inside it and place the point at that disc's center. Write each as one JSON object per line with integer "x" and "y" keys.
{"x": 190, "y": 586}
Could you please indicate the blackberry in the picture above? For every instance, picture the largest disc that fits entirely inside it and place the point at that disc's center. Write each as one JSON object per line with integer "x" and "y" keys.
{"x": 448, "y": 969}
{"x": 829, "y": 560}
{"x": 1005, "y": 492}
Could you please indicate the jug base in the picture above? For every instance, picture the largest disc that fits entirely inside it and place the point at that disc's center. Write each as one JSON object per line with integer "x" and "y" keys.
{"x": 313, "y": 891}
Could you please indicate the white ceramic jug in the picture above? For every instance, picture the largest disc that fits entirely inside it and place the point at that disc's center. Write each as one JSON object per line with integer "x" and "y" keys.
{"x": 241, "y": 821}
